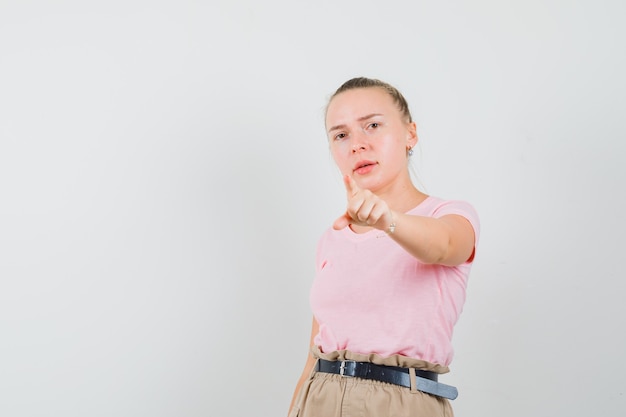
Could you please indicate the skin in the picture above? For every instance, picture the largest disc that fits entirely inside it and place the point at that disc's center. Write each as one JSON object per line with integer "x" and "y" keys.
{"x": 369, "y": 138}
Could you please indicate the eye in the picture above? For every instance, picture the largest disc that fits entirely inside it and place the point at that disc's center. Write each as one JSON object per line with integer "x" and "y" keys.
{"x": 340, "y": 136}
{"x": 374, "y": 125}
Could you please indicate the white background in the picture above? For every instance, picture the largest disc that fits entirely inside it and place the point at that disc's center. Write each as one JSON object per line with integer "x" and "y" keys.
{"x": 164, "y": 177}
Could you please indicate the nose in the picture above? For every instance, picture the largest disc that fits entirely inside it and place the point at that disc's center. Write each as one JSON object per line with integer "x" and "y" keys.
{"x": 358, "y": 143}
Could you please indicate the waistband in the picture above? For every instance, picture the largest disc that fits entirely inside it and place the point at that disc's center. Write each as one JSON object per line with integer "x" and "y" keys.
{"x": 425, "y": 381}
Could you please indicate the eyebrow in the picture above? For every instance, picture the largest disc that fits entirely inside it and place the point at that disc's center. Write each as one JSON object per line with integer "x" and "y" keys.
{"x": 360, "y": 119}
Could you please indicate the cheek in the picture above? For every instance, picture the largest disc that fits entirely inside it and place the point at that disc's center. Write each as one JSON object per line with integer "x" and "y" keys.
{"x": 336, "y": 149}
{"x": 336, "y": 155}
{"x": 339, "y": 156}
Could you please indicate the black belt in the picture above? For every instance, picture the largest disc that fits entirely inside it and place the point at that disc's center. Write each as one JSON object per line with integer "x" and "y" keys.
{"x": 425, "y": 381}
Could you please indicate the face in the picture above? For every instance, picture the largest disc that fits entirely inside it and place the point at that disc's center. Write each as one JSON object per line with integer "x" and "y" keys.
{"x": 369, "y": 137}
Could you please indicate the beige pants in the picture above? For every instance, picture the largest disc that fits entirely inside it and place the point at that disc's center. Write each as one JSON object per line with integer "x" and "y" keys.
{"x": 331, "y": 395}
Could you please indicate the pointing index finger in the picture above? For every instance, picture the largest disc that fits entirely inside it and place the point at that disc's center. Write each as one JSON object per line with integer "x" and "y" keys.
{"x": 351, "y": 186}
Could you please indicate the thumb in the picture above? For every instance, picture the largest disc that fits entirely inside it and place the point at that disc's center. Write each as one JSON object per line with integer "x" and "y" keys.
{"x": 342, "y": 221}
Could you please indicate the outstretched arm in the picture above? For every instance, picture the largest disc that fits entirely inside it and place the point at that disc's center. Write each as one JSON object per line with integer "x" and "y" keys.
{"x": 448, "y": 240}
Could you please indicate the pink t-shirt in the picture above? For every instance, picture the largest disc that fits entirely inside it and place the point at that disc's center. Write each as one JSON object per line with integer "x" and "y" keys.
{"x": 370, "y": 296}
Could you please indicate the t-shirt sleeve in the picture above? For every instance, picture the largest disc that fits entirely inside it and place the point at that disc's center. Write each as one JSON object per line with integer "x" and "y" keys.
{"x": 461, "y": 208}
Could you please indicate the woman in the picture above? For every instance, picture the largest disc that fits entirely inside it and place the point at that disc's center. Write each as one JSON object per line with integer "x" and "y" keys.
{"x": 391, "y": 273}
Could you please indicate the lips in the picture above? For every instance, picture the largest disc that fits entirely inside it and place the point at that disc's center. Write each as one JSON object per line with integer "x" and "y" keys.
{"x": 363, "y": 167}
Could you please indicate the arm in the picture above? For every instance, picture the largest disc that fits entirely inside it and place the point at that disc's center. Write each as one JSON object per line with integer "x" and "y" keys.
{"x": 308, "y": 367}
{"x": 448, "y": 240}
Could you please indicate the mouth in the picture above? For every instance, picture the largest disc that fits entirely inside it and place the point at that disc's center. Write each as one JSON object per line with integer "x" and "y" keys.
{"x": 363, "y": 166}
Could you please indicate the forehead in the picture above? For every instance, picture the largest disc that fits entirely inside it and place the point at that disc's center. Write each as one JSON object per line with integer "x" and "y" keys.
{"x": 358, "y": 102}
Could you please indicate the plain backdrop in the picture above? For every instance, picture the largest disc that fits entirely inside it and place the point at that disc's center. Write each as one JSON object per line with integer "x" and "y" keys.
{"x": 164, "y": 177}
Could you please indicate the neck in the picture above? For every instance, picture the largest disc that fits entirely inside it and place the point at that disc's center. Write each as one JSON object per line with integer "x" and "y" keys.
{"x": 402, "y": 196}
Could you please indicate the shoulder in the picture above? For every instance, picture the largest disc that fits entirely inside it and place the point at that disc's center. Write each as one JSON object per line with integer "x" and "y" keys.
{"x": 439, "y": 207}
{"x": 329, "y": 236}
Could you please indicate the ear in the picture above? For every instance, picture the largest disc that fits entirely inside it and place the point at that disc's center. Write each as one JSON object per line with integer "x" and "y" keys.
{"x": 411, "y": 135}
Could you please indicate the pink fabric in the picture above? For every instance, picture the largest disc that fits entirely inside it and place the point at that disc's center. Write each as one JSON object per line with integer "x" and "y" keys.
{"x": 370, "y": 296}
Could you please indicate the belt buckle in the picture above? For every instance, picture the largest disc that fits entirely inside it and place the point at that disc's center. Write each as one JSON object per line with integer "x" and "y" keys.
{"x": 342, "y": 368}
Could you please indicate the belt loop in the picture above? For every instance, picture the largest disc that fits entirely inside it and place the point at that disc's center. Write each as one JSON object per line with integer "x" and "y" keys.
{"x": 413, "y": 383}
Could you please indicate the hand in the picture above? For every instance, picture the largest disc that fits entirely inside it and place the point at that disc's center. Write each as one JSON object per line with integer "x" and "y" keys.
{"x": 364, "y": 208}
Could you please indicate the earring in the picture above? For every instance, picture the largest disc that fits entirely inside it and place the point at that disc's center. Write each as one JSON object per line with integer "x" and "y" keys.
{"x": 410, "y": 151}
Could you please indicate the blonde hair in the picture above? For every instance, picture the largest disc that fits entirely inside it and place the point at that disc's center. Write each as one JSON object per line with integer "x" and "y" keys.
{"x": 363, "y": 82}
